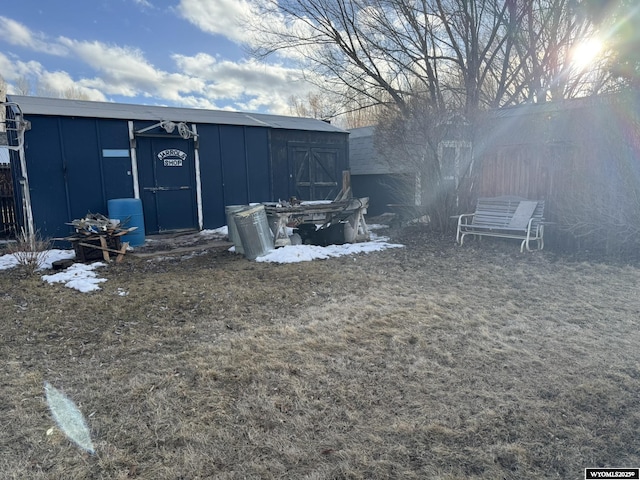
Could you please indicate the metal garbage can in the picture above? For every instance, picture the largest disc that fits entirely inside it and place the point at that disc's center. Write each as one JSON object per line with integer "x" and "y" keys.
{"x": 253, "y": 229}
{"x": 234, "y": 236}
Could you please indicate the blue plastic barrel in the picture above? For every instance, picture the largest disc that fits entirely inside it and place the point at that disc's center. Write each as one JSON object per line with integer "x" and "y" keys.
{"x": 129, "y": 212}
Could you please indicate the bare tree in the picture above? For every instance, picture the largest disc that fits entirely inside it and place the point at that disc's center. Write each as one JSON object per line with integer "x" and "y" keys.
{"x": 452, "y": 53}
{"x": 555, "y": 30}
{"x": 313, "y": 105}
{"x": 356, "y": 49}
{"x": 72, "y": 92}
{"x": 360, "y": 117}
{"x": 433, "y": 63}
{"x": 433, "y": 151}
{"x": 3, "y": 98}
{"x": 421, "y": 61}
{"x": 23, "y": 85}
{"x": 3, "y": 89}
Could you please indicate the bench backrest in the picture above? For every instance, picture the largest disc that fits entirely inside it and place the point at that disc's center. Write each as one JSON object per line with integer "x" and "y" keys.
{"x": 507, "y": 212}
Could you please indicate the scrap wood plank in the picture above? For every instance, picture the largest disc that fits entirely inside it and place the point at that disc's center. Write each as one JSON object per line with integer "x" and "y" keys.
{"x": 124, "y": 231}
{"x": 106, "y": 250}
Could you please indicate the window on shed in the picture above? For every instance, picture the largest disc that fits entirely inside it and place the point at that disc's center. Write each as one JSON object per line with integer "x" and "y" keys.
{"x": 455, "y": 160}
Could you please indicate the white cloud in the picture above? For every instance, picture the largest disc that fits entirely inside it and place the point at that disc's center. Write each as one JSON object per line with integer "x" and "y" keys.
{"x": 245, "y": 22}
{"x": 200, "y": 80}
{"x": 250, "y": 23}
{"x": 242, "y": 76}
{"x": 13, "y": 69}
{"x": 125, "y": 71}
{"x": 15, "y": 33}
{"x": 61, "y": 82}
{"x": 143, "y": 3}
{"x": 224, "y": 17}
{"x": 191, "y": 101}
{"x": 201, "y": 65}
{"x": 118, "y": 62}
{"x": 252, "y": 84}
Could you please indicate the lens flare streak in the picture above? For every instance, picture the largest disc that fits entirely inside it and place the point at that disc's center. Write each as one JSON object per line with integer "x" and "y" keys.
{"x": 69, "y": 418}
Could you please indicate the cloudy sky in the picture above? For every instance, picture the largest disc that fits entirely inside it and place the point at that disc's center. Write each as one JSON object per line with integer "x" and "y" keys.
{"x": 189, "y": 53}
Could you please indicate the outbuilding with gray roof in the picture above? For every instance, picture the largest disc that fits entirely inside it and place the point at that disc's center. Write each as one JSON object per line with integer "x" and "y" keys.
{"x": 185, "y": 165}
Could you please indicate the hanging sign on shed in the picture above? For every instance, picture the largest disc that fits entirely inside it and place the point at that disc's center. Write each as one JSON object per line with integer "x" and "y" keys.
{"x": 172, "y": 157}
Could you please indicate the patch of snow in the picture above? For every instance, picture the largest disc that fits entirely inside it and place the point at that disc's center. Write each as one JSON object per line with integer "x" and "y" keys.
{"x": 8, "y": 261}
{"x": 216, "y": 232}
{"x": 78, "y": 276}
{"x": 307, "y": 253}
{"x": 55, "y": 255}
{"x": 46, "y": 261}
{"x": 316, "y": 202}
{"x": 377, "y": 226}
{"x": 84, "y": 279}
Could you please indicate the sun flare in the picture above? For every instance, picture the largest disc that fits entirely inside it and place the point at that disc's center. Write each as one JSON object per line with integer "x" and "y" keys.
{"x": 585, "y": 53}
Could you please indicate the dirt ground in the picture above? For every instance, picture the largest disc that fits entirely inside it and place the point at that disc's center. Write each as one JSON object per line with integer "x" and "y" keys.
{"x": 430, "y": 361}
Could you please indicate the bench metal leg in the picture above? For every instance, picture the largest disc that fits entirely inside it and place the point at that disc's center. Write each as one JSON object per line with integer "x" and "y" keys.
{"x": 539, "y": 241}
{"x": 526, "y": 242}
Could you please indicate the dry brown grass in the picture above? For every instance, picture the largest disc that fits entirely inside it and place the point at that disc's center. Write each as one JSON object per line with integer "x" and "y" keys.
{"x": 432, "y": 361}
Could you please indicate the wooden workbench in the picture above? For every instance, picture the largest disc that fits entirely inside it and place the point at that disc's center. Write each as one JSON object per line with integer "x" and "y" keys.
{"x": 350, "y": 212}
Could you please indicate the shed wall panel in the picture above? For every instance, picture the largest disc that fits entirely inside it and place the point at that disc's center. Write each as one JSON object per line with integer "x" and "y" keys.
{"x": 211, "y": 176}
{"x": 234, "y": 165}
{"x": 82, "y": 166}
{"x": 47, "y": 187}
{"x": 116, "y": 171}
{"x": 67, "y": 174}
{"x": 258, "y": 161}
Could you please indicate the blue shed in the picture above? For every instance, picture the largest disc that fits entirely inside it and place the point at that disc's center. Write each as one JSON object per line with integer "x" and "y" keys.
{"x": 185, "y": 165}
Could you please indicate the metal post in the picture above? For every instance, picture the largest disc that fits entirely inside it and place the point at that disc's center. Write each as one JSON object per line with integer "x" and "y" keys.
{"x": 134, "y": 160}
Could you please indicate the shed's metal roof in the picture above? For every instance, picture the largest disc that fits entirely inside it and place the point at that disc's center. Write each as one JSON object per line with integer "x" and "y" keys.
{"x": 363, "y": 158}
{"x": 125, "y": 111}
{"x": 624, "y": 97}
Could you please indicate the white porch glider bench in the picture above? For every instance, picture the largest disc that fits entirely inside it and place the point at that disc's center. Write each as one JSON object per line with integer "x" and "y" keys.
{"x": 506, "y": 217}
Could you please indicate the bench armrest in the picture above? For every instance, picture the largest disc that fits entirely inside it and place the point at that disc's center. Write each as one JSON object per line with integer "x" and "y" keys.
{"x": 462, "y": 219}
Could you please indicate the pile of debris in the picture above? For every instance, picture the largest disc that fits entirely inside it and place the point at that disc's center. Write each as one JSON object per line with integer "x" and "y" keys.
{"x": 95, "y": 223}
{"x": 97, "y": 237}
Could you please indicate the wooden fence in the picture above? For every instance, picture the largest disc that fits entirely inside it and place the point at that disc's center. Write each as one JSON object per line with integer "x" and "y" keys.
{"x": 580, "y": 156}
{"x": 8, "y": 223}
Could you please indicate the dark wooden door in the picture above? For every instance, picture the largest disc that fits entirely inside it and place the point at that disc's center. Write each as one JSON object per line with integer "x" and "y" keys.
{"x": 315, "y": 171}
